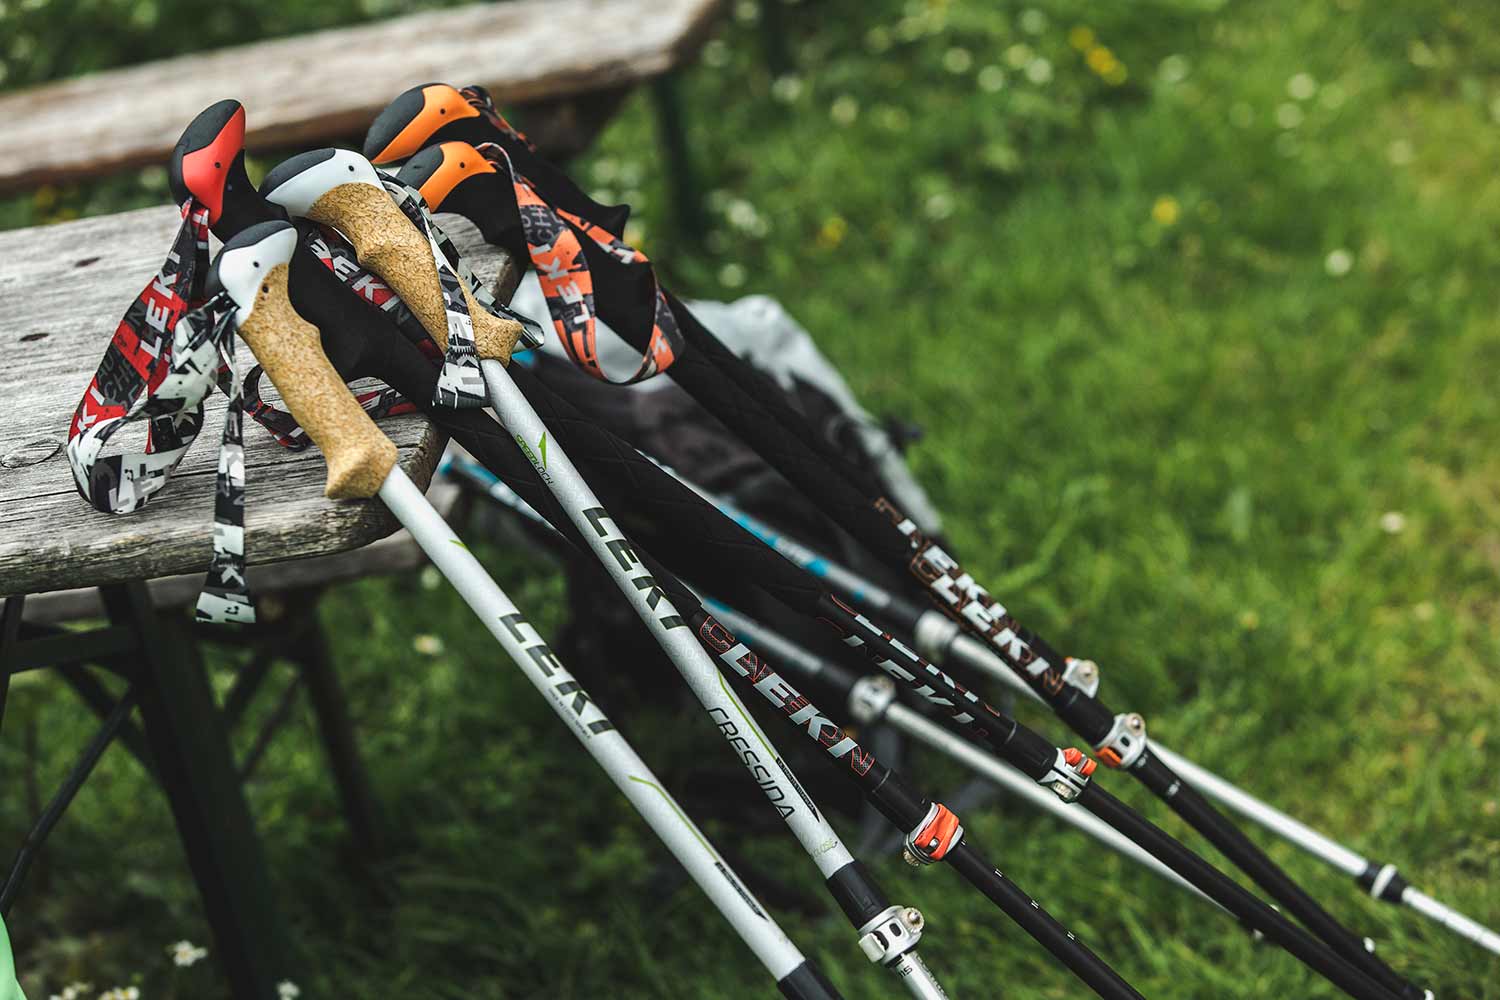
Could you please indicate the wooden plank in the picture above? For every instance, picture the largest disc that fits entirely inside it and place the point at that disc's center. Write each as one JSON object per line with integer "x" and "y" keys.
{"x": 330, "y": 84}
{"x": 396, "y": 553}
{"x": 65, "y": 288}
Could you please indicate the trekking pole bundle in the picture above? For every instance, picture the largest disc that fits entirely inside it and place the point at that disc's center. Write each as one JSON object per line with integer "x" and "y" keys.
{"x": 336, "y": 270}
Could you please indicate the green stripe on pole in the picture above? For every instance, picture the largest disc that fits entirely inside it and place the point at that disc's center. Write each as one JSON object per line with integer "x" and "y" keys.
{"x": 9, "y": 988}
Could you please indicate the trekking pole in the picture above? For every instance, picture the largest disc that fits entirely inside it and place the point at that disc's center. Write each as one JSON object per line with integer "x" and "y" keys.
{"x": 941, "y": 640}
{"x": 253, "y": 268}
{"x": 755, "y": 408}
{"x": 322, "y": 186}
{"x": 636, "y": 485}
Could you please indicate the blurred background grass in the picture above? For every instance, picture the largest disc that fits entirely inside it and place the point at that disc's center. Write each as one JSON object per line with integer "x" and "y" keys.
{"x": 1197, "y": 303}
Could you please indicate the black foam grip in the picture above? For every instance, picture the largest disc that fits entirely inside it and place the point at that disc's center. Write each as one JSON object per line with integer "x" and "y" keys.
{"x": 807, "y": 982}
{"x": 857, "y": 894}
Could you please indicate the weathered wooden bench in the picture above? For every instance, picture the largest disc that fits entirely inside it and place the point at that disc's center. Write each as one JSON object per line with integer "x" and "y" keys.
{"x": 315, "y": 88}
{"x": 66, "y": 286}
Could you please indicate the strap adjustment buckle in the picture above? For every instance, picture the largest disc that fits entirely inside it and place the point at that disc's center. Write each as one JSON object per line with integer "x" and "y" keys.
{"x": 891, "y": 933}
{"x": 1083, "y": 675}
{"x": 1126, "y": 740}
{"x": 871, "y": 698}
{"x": 1070, "y": 773}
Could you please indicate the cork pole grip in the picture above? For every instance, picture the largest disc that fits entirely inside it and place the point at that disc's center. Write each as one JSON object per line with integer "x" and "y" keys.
{"x": 359, "y": 456}
{"x": 388, "y": 244}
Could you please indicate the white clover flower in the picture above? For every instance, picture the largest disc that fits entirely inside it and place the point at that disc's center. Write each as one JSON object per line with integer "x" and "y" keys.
{"x": 1289, "y": 115}
{"x": 743, "y": 216}
{"x": 787, "y": 88}
{"x": 428, "y": 645}
{"x": 844, "y": 110}
{"x": 991, "y": 79}
{"x": 1039, "y": 71}
{"x": 957, "y": 60}
{"x": 939, "y": 206}
{"x": 1018, "y": 55}
{"x": 716, "y": 53}
{"x": 1033, "y": 21}
{"x": 731, "y": 275}
{"x": 1173, "y": 69}
{"x": 1301, "y": 87}
{"x": 185, "y": 954}
{"x": 1393, "y": 522}
{"x": 1339, "y": 263}
{"x": 287, "y": 990}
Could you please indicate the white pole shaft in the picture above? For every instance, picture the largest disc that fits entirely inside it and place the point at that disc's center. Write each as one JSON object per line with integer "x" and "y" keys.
{"x": 590, "y": 726}
{"x": 1452, "y": 919}
{"x": 615, "y": 552}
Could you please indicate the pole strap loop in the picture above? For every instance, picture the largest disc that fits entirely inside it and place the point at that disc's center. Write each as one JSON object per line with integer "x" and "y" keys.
{"x": 168, "y": 352}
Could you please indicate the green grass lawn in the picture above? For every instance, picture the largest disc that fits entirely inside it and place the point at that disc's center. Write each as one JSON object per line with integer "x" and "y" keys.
{"x": 1197, "y": 303}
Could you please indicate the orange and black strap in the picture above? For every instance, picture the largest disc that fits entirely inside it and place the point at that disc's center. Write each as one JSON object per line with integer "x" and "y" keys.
{"x": 555, "y": 242}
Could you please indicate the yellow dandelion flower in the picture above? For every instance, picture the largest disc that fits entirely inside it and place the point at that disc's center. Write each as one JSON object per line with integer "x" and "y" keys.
{"x": 1166, "y": 210}
{"x": 1117, "y": 74}
{"x": 1081, "y": 37}
{"x": 1100, "y": 59}
{"x": 832, "y": 232}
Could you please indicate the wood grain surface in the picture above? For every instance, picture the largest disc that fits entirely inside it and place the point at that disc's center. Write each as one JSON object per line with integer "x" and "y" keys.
{"x": 330, "y": 84}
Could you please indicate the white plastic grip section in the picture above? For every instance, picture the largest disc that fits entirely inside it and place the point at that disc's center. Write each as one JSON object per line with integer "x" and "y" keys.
{"x": 242, "y": 269}
{"x": 298, "y": 193}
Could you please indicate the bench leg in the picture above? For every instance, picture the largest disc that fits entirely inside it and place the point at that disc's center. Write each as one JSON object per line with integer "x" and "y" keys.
{"x": 192, "y": 755}
{"x": 687, "y": 207}
{"x": 10, "y": 631}
{"x": 329, "y": 705}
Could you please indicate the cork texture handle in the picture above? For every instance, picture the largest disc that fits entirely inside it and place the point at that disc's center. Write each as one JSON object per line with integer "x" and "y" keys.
{"x": 359, "y": 456}
{"x": 388, "y": 244}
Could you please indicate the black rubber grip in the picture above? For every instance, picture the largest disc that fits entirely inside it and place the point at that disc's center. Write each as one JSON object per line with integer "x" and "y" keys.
{"x": 857, "y": 894}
